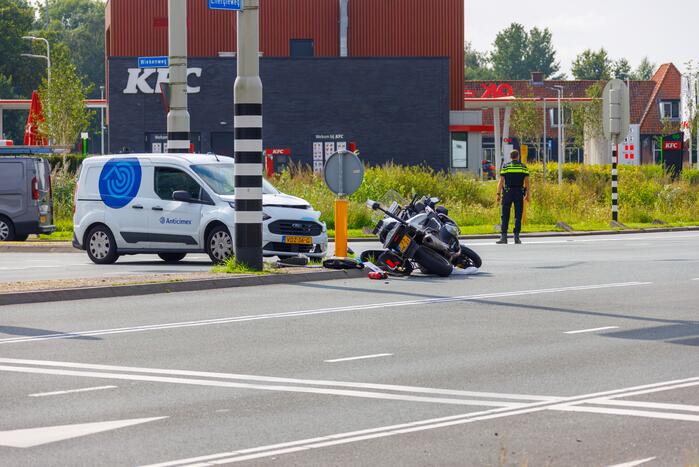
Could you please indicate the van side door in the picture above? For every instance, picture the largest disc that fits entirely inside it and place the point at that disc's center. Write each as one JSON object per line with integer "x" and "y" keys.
{"x": 175, "y": 225}
{"x": 15, "y": 188}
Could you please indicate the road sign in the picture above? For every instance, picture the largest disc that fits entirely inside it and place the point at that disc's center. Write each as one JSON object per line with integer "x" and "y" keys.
{"x": 616, "y": 113}
{"x": 233, "y": 5}
{"x": 153, "y": 62}
{"x": 343, "y": 173}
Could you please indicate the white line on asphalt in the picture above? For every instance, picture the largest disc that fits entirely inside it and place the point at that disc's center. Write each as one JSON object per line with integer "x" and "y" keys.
{"x": 647, "y": 405}
{"x": 363, "y": 357}
{"x": 271, "y": 379}
{"x": 321, "y": 311}
{"x": 392, "y": 430}
{"x": 618, "y": 238}
{"x": 264, "y": 387}
{"x": 71, "y": 391}
{"x": 628, "y": 412}
{"x": 591, "y": 330}
{"x": 634, "y": 463}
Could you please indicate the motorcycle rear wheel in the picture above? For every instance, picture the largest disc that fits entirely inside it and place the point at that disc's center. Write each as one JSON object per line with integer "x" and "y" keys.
{"x": 431, "y": 262}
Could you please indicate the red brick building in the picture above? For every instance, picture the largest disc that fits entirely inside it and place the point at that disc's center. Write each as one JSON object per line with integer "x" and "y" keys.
{"x": 655, "y": 104}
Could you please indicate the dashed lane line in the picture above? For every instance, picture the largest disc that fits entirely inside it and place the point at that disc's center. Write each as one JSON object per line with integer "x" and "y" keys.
{"x": 361, "y": 357}
{"x": 71, "y": 391}
{"x": 582, "y": 331}
{"x": 320, "y": 311}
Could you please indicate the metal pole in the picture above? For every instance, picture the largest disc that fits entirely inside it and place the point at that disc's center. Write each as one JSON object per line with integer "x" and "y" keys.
{"x": 247, "y": 97}
{"x": 615, "y": 183}
{"x": 178, "y": 116}
{"x": 102, "y": 121}
{"x": 560, "y": 139}
{"x": 545, "y": 149}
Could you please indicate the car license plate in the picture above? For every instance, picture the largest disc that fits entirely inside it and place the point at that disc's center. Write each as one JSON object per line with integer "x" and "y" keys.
{"x": 294, "y": 240}
{"x": 404, "y": 244}
{"x": 42, "y": 219}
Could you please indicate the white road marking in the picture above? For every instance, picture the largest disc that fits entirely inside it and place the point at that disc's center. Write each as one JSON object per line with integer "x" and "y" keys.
{"x": 71, "y": 391}
{"x": 634, "y": 463}
{"x": 628, "y": 412}
{"x": 580, "y": 239}
{"x": 272, "y": 379}
{"x": 321, "y": 311}
{"x": 591, "y": 330}
{"x": 392, "y": 430}
{"x": 31, "y": 437}
{"x": 265, "y": 387}
{"x": 363, "y": 357}
{"x": 647, "y": 405}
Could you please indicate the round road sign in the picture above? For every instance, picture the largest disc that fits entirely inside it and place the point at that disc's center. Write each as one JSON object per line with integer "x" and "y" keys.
{"x": 343, "y": 173}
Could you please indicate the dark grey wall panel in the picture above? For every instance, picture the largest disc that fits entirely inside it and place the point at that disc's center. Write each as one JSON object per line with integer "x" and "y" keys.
{"x": 394, "y": 108}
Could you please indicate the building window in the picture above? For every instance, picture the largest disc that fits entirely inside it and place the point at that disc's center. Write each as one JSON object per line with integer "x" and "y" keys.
{"x": 459, "y": 150}
{"x": 670, "y": 110}
{"x": 301, "y": 48}
{"x": 567, "y": 114}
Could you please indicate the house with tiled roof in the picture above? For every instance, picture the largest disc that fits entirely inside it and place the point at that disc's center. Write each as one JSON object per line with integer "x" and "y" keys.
{"x": 655, "y": 108}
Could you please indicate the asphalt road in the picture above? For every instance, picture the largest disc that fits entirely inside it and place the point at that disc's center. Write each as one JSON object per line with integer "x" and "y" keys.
{"x": 581, "y": 352}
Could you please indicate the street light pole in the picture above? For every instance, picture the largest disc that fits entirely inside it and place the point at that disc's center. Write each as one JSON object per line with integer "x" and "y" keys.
{"x": 178, "y": 115}
{"x": 544, "y": 146}
{"x": 247, "y": 97}
{"x": 102, "y": 120}
{"x": 47, "y": 57}
{"x": 561, "y": 145}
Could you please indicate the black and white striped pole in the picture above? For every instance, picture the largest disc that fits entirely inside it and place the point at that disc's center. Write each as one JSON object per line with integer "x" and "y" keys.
{"x": 247, "y": 97}
{"x": 615, "y": 121}
{"x": 178, "y": 115}
{"x": 615, "y": 184}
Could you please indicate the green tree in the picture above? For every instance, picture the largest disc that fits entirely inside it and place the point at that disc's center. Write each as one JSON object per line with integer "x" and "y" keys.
{"x": 79, "y": 25}
{"x": 527, "y": 123}
{"x": 16, "y": 19}
{"x": 644, "y": 71}
{"x": 586, "y": 116}
{"x": 591, "y": 65}
{"x": 64, "y": 106}
{"x": 476, "y": 64}
{"x": 621, "y": 69}
{"x": 541, "y": 55}
{"x": 516, "y": 53}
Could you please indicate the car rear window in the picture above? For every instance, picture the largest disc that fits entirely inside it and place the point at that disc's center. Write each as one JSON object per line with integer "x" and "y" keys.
{"x": 11, "y": 176}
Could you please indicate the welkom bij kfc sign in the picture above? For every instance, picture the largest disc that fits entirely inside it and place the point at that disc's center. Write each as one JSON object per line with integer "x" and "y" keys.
{"x": 148, "y": 80}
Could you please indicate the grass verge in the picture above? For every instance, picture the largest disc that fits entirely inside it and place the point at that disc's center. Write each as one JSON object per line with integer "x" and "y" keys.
{"x": 231, "y": 266}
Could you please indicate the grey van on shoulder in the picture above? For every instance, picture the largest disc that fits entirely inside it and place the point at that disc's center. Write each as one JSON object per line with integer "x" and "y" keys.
{"x": 26, "y": 205}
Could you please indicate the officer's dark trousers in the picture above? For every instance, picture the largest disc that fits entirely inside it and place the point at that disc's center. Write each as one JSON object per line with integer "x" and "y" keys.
{"x": 513, "y": 197}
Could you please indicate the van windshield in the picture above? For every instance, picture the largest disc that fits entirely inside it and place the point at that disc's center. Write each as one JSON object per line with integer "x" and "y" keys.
{"x": 221, "y": 179}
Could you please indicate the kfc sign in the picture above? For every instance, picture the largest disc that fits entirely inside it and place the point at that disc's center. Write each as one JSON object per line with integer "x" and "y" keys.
{"x": 138, "y": 80}
{"x": 672, "y": 145}
{"x": 492, "y": 91}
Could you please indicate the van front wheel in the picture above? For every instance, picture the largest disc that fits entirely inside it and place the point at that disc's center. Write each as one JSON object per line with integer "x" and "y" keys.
{"x": 219, "y": 244}
{"x": 101, "y": 246}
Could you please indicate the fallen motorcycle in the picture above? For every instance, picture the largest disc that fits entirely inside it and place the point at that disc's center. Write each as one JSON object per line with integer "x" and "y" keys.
{"x": 436, "y": 231}
{"x": 403, "y": 248}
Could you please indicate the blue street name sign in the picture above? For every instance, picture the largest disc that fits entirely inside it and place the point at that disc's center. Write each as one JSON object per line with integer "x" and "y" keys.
{"x": 234, "y": 5}
{"x": 153, "y": 62}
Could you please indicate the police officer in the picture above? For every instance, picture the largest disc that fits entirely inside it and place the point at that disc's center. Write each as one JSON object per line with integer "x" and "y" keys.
{"x": 513, "y": 188}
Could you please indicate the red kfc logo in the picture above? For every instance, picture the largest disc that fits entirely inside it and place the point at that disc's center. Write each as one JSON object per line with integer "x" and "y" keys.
{"x": 494, "y": 91}
{"x": 672, "y": 146}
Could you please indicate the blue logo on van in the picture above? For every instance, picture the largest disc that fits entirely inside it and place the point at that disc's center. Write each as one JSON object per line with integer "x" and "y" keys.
{"x": 119, "y": 182}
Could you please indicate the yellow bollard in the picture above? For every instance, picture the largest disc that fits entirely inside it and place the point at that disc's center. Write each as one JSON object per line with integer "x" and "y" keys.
{"x": 341, "y": 208}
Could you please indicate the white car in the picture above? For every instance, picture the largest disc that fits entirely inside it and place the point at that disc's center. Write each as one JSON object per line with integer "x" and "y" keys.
{"x": 174, "y": 204}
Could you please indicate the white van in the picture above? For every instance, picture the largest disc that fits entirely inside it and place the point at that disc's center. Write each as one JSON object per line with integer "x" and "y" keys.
{"x": 174, "y": 204}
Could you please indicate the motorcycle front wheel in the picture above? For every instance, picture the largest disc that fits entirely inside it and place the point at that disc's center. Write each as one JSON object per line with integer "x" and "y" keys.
{"x": 432, "y": 262}
{"x": 469, "y": 258}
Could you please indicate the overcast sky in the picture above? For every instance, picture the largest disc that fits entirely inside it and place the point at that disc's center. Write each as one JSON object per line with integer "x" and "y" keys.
{"x": 664, "y": 31}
